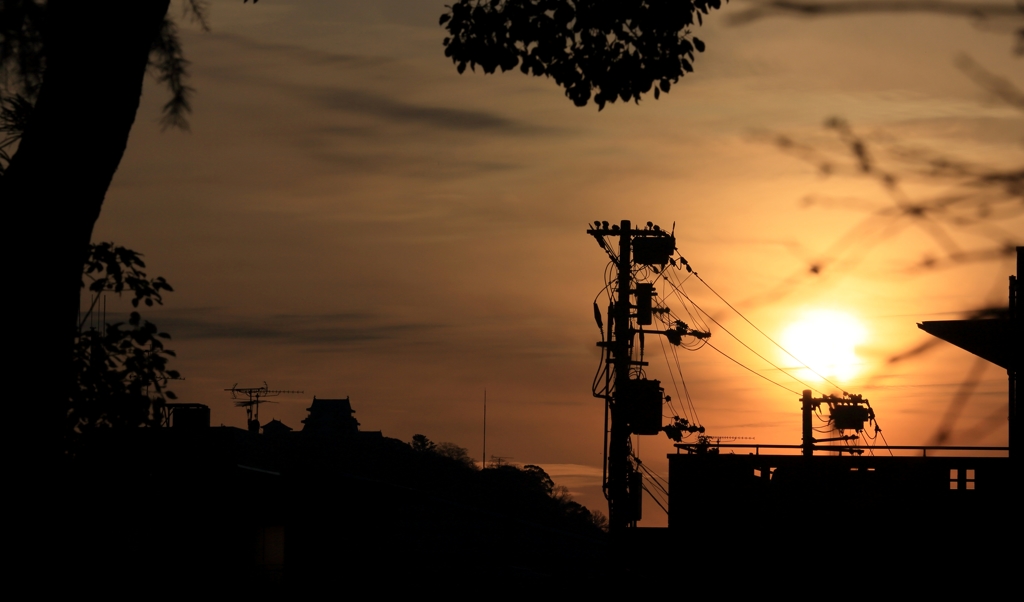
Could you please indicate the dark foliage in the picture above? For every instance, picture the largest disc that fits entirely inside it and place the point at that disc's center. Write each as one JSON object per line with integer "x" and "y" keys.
{"x": 595, "y": 49}
{"x": 445, "y": 449}
{"x": 525, "y": 491}
{"x": 121, "y": 368}
{"x": 114, "y": 269}
{"x": 23, "y": 58}
{"x": 420, "y": 443}
{"x": 353, "y": 509}
{"x": 14, "y": 114}
{"x": 21, "y": 43}
{"x": 455, "y": 453}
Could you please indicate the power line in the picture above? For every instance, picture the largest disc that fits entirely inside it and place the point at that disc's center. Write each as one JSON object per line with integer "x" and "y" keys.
{"x": 765, "y": 335}
{"x": 752, "y": 371}
{"x": 744, "y": 344}
{"x": 672, "y": 375}
{"x": 656, "y": 500}
{"x": 686, "y": 390}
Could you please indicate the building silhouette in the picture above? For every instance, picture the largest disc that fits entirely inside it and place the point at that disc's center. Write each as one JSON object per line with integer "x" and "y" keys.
{"x": 330, "y": 417}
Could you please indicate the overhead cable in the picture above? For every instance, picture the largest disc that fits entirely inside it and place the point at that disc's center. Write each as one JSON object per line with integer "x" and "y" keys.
{"x": 772, "y": 364}
{"x": 765, "y": 335}
{"x": 752, "y": 371}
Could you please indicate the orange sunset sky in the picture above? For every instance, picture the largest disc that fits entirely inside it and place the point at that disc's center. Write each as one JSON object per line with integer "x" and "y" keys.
{"x": 349, "y": 216}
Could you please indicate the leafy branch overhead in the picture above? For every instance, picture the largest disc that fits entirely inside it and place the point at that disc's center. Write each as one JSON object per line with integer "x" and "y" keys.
{"x": 595, "y": 49}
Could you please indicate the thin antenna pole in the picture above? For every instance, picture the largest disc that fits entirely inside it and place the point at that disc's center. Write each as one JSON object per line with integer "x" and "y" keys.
{"x": 483, "y": 462}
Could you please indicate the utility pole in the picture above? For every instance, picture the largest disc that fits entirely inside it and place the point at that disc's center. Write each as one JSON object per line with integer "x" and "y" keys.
{"x": 621, "y": 512}
{"x": 845, "y": 412}
{"x": 632, "y": 404}
{"x": 807, "y": 406}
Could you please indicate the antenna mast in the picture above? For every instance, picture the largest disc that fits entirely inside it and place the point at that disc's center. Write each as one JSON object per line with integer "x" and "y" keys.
{"x": 484, "y": 460}
{"x": 253, "y": 397}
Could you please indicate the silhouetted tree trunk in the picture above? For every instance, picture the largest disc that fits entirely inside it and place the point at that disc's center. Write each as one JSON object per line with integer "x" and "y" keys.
{"x": 96, "y": 58}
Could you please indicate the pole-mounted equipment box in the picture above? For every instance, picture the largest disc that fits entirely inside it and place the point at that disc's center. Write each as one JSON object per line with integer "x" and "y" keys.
{"x": 653, "y": 250}
{"x": 642, "y": 399}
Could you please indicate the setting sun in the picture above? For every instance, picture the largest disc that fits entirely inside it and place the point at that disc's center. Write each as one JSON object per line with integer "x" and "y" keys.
{"x": 826, "y": 341}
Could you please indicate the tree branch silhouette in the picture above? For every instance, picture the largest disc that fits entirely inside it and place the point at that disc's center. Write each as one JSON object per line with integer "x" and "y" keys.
{"x": 121, "y": 372}
{"x": 974, "y": 196}
{"x": 960, "y": 398}
{"x": 984, "y": 13}
{"x": 71, "y": 76}
{"x": 996, "y": 85}
{"x": 971, "y": 196}
{"x": 594, "y": 49}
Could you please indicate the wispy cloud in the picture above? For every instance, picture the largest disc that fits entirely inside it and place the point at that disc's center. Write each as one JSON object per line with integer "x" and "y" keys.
{"x": 384, "y": 105}
{"x": 330, "y": 330}
{"x": 579, "y": 479}
{"x": 390, "y": 109}
{"x": 411, "y": 165}
{"x": 302, "y": 54}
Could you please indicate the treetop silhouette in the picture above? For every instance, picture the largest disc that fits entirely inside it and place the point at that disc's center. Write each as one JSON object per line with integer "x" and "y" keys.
{"x": 596, "y": 50}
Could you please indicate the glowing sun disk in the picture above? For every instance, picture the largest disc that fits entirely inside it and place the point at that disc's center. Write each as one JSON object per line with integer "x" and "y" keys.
{"x": 826, "y": 341}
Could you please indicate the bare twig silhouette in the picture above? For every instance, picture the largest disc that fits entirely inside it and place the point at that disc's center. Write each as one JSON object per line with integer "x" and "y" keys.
{"x": 998, "y": 16}
{"x": 971, "y": 196}
{"x": 992, "y": 422}
{"x": 963, "y": 394}
{"x": 960, "y": 196}
{"x": 995, "y": 84}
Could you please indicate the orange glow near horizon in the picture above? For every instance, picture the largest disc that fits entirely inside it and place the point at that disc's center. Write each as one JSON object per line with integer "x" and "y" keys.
{"x": 351, "y": 217}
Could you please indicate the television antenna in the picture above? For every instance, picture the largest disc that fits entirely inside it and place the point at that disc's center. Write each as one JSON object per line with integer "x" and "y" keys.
{"x": 250, "y": 398}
